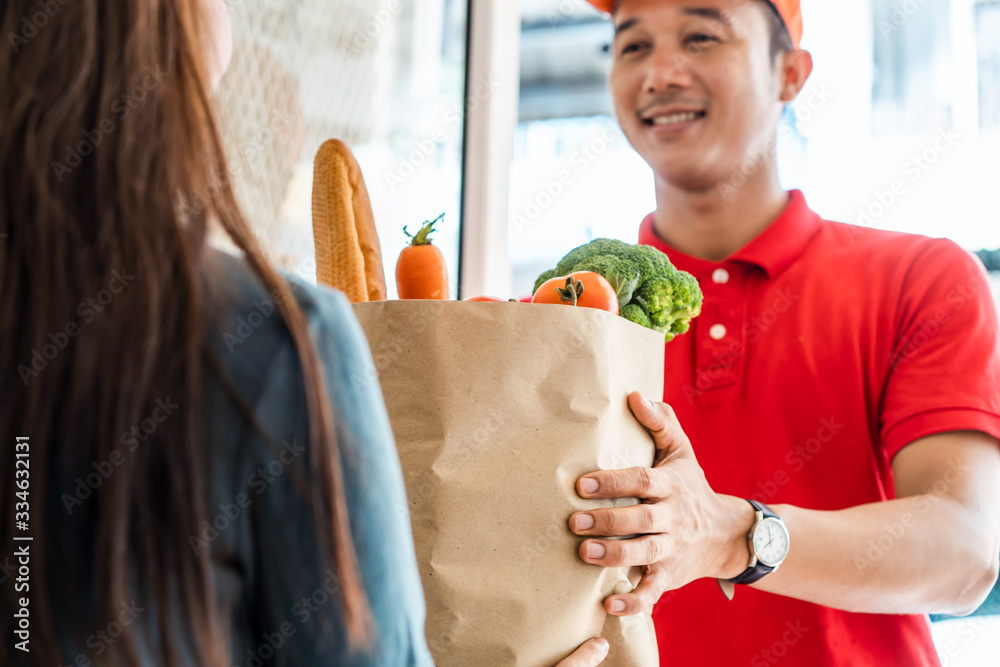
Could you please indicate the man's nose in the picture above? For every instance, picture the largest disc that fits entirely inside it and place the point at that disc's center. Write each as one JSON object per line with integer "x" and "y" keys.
{"x": 668, "y": 68}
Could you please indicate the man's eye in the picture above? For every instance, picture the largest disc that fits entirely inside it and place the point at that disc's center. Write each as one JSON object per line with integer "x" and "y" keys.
{"x": 634, "y": 47}
{"x": 700, "y": 38}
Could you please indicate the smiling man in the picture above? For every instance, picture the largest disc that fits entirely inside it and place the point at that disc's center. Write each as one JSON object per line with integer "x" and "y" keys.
{"x": 827, "y": 447}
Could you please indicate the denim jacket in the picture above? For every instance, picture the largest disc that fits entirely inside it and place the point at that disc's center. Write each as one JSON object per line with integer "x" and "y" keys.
{"x": 278, "y": 606}
{"x": 282, "y": 615}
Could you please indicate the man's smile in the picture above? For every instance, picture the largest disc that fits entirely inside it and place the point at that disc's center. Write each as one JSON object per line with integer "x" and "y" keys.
{"x": 671, "y": 118}
{"x": 679, "y": 117}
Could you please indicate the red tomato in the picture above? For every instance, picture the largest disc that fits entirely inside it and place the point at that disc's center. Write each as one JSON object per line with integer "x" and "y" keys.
{"x": 484, "y": 298}
{"x": 591, "y": 290}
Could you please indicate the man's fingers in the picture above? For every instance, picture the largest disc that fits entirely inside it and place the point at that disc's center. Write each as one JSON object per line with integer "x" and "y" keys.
{"x": 590, "y": 654}
{"x": 644, "y": 550}
{"x": 652, "y": 585}
{"x": 620, "y": 521}
{"x": 649, "y": 483}
{"x": 662, "y": 423}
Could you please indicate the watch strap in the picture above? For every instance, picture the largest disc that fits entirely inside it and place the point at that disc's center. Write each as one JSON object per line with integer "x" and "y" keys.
{"x": 757, "y": 571}
{"x": 753, "y": 574}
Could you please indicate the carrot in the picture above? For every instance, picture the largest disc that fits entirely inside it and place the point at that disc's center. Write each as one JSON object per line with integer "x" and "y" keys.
{"x": 348, "y": 257}
{"x": 421, "y": 272}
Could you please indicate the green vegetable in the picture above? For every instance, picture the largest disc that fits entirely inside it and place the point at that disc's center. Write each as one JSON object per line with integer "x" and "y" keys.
{"x": 634, "y": 313}
{"x": 624, "y": 277}
{"x": 651, "y": 291}
{"x": 544, "y": 278}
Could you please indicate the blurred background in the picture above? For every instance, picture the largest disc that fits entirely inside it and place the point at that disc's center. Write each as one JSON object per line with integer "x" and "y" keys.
{"x": 387, "y": 77}
{"x": 898, "y": 128}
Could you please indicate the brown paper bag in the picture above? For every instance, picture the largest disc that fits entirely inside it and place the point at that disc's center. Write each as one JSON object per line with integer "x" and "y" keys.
{"x": 497, "y": 410}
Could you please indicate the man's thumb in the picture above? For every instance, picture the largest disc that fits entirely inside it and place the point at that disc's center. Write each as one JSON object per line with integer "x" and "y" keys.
{"x": 645, "y": 411}
{"x": 662, "y": 423}
{"x": 590, "y": 654}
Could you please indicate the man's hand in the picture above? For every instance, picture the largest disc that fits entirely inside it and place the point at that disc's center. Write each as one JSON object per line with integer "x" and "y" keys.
{"x": 590, "y": 654}
{"x": 943, "y": 523}
{"x": 685, "y": 530}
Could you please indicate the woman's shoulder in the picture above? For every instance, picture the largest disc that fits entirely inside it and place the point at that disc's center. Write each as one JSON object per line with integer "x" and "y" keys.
{"x": 245, "y": 314}
{"x": 255, "y": 356}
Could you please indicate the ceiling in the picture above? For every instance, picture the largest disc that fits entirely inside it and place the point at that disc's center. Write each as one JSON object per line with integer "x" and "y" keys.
{"x": 535, "y": 11}
{"x": 563, "y": 64}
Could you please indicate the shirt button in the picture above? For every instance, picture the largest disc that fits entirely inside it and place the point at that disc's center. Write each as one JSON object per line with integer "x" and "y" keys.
{"x": 720, "y": 277}
{"x": 717, "y": 332}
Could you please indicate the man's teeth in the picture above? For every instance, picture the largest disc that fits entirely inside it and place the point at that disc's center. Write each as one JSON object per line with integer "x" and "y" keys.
{"x": 675, "y": 118}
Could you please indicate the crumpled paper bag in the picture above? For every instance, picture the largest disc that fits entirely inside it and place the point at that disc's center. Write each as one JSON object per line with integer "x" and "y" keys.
{"x": 497, "y": 410}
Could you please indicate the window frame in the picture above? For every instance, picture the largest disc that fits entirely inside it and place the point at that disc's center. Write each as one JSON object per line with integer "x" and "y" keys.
{"x": 492, "y": 93}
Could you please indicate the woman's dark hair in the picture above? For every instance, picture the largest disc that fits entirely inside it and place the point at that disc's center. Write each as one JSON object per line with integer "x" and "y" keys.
{"x": 108, "y": 145}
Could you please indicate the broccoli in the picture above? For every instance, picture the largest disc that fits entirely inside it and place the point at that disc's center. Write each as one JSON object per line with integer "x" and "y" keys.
{"x": 548, "y": 275}
{"x": 651, "y": 291}
{"x": 597, "y": 248}
{"x": 624, "y": 278}
{"x": 650, "y": 262}
{"x": 634, "y": 313}
{"x": 671, "y": 302}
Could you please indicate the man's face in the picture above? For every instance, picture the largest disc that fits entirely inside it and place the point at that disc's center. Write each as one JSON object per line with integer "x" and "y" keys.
{"x": 694, "y": 85}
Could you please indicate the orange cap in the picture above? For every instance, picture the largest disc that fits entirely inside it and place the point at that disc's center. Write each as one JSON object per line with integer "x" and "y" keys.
{"x": 790, "y": 10}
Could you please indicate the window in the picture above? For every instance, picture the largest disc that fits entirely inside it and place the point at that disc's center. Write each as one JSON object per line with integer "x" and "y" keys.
{"x": 988, "y": 52}
{"x": 912, "y": 67}
{"x": 387, "y": 77}
{"x": 905, "y": 94}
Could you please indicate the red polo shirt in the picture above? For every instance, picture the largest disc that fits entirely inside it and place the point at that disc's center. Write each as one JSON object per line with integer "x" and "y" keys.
{"x": 822, "y": 350}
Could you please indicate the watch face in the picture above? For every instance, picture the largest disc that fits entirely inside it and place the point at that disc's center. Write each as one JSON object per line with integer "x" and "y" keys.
{"x": 770, "y": 542}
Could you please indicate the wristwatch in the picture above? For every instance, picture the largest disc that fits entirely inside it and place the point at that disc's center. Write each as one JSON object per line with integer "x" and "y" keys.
{"x": 769, "y": 544}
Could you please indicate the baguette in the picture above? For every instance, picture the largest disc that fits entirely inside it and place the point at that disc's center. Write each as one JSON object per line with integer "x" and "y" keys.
{"x": 348, "y": 255}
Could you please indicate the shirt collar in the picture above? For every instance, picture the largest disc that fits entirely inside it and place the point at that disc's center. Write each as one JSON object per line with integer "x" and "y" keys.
{"x": 773, "y": 250}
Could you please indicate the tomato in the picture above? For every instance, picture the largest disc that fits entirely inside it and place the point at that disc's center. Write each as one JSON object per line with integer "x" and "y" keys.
{"x": 484, "y": 298}
{"x": 596, "y": 291}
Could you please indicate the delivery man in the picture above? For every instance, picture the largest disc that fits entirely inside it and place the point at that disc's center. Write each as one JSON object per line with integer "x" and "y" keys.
{"x": 828, "y": 441}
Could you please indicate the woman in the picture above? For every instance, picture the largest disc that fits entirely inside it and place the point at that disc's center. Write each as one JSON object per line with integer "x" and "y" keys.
{"x": 189, "y": 442}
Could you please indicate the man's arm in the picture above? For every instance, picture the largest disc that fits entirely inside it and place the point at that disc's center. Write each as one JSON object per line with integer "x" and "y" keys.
{"x": 933, "y": 549}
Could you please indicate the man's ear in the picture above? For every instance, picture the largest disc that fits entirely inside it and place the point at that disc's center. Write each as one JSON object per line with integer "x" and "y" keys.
{"x": 796, "y": 66}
